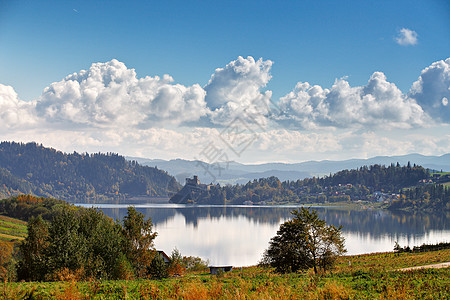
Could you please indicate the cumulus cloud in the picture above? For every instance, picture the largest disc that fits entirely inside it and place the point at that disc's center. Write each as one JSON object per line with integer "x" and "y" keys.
{"x": 110, "y": 94}
{"x": 107, "y": 107}
{"x": 294, "y": 140}
{"x": 14, "y": 113}
{"x": 377, "y": 104}
{"x": 406, "y": 37}
{"x": 373, "y": 144}
{"x": 237, "y": 88}
{"x": 432, "y": 90}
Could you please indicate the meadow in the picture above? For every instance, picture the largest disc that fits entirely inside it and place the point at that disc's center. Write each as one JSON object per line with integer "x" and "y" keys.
{"x": 370, "y": 276}
{"x": 12, "y": 229}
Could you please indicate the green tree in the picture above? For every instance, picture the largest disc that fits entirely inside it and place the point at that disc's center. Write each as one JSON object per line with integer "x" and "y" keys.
{"x": 305, "y": 241}
{"x": 32, "y": 262}
{"x": 67, "y": 247}
{"x": 138, "y": 241}
{"x": 158, "y": 268}
{"x": 103, "y": 238}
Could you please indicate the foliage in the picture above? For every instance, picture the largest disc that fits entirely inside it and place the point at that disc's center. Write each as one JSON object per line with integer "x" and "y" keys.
{"x": 6, "y": 251}
{"x": 175, "y": 267}
{"x": 33, "y": 169}
{"x": 32, "y": 265}
{"x": 82, "y": 243}
{"x": 138, "y": 241}
{"x": 158, "y": 268}
{"x": 24, "y": 207}
{"x": 424, "y": 197}
{"x": 422, "y": 248}
{"x": 408, "y": 186}
{"x": 12, "y": 231}
{"x": 193, "y": 263}
{"x": 303, "y": 242}
{"x": 366, "y": 278}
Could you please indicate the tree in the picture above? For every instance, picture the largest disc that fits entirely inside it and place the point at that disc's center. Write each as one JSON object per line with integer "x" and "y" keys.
{"x": 158, "y": 268}
{"x": 175, "y": 267}
{"x": 305, "y": 241}
{"x": 32, "y": 263}
{"x": 67, "y": 247}
{"x": 139, "y": 238}
{"x": 6, "y": 253}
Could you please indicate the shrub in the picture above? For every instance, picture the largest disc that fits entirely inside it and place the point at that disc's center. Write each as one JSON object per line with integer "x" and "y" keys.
{"x": 158, "y": 268}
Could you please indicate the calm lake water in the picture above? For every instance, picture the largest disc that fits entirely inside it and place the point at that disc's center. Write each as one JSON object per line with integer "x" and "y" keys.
{"x": 238, "y": 235}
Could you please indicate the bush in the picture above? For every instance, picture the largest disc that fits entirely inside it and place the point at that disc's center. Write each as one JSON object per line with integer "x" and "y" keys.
{"x": 175, "y": 267}
{"x": 193, "y": 263}
{"x": 158, "y": 268}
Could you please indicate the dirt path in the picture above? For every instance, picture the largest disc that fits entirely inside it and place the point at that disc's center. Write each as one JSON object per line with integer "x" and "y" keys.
{"x": 435, "y": 266}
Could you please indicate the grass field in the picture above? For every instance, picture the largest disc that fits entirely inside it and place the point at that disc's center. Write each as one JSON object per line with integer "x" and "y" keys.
{"x": 440, "y": 173}
{"x": 12, "y": 229}
{"x": 371, "y": 276}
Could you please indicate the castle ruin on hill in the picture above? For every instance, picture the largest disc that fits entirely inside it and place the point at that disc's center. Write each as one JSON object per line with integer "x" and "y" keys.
{"x": 190, "y": 192}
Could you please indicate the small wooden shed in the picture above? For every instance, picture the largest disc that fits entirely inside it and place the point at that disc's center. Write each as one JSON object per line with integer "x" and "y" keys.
{"x": 164, "y": 256}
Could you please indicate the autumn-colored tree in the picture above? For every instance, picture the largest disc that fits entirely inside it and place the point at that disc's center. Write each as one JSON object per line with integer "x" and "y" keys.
{"x": 175, "y": 267}
{"x": 6, "y": 251}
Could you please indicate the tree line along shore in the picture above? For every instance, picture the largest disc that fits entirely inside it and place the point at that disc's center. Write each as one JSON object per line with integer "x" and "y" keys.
{"x": 92, "y": 178}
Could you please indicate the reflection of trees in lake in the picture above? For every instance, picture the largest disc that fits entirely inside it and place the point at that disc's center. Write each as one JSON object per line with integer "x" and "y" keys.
{"x": 375, "y": 222}
{"x": 379, "y": 222}
{"x": 158, "y": 215}
{"x": 266, "y": 215}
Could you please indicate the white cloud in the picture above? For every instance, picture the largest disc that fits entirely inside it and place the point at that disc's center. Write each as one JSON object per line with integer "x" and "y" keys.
{"x": 237, "y": 87}
{"x": 271, "y": 145}
{"x": 377, "y": 104}
{"x": 406, "y": 37}
{"x": 373, "y": 144}
{"x": 292, "y": 140}
{"x": 14, "y": 113}
{"x": 432, "y": 90}
{"x": 107, "y": 108}
{"x": 110, "y": 94}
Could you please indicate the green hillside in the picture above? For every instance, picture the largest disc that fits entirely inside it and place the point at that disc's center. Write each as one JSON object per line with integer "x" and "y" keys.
{"x": 12, "y": 229}
{"x": 34, "y": 169}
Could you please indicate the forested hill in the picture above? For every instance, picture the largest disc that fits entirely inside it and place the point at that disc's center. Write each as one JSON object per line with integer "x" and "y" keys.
{"x": 382, "y": 178}
{"x": 34, "y": 169}
{"x": 396, "y": 186}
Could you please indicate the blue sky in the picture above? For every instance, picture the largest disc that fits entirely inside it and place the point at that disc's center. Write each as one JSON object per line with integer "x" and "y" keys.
{"x": 41, "y": 42}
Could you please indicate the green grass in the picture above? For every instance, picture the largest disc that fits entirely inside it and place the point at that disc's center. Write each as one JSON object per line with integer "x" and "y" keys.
{"x": 12, "y": 229}
{"x": 370, "y": 276}
{"x": 440, "y": 173}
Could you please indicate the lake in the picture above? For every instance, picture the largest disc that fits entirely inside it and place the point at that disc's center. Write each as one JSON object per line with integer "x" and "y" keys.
{"x": 238, "y": 235}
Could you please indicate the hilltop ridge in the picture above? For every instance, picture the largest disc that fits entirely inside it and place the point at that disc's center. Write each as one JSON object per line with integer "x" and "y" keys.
{"x": 34, "y": 169}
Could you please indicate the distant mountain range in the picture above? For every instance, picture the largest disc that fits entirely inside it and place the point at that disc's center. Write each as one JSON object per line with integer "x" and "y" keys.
{"x": 242, "y": 173}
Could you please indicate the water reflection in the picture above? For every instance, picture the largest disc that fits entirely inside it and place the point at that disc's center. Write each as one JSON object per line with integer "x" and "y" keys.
{"x": 238, "y": 235}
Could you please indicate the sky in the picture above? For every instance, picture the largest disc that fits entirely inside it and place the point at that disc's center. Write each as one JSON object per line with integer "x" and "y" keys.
{"x": 247, "y": 81}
